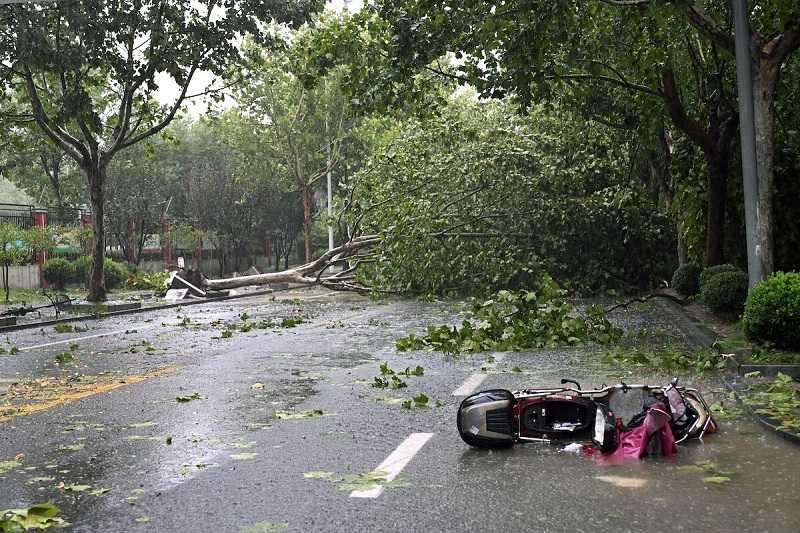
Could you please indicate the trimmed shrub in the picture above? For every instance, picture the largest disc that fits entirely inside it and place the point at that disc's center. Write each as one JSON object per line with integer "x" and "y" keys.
{"x": 58, "y": 271}
{"x": 725, "y": 293}
{"x": 82, "y": 266}
{"x": 116, "y": 273}
{"x": 772, "y": 311}
{"x": 712, "y": 271}
{"x": 686, "y": 279}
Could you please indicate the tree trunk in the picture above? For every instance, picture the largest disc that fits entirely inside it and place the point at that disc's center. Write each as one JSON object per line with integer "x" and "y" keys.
{"x": 97, "y": 283}
{"x": 5, "y": 281}
{"x": 308, "y": 205}
{"x": 716, "y": 199}
{"x": 765, "y": 81}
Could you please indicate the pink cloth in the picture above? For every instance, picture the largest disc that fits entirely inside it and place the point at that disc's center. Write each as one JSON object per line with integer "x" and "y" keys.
{"x": 633, "y": 443}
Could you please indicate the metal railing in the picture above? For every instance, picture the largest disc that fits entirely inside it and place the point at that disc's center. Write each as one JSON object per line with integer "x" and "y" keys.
{"x": 17, "y": 214}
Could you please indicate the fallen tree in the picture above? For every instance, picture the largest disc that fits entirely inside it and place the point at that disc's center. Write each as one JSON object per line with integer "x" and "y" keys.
{"x": 352, "y": 254}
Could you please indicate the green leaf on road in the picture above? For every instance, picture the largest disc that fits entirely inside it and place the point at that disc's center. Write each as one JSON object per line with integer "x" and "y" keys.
{"x": 142, "y": 425}
{"x": 244, "y": 456}
{"x": 292, "y": 415}
{"x": 7, "y": 466}
{"x": 189, "y": 398}
{"x": 73, "y": 447}
{"x": 719, "y": 480}
{"x": 39, "y": 516}
{"x": 265, "y": 527}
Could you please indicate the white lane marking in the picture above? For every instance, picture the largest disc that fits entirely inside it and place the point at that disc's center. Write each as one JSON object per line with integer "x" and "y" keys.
{"x": 67, "y": 341}
{"x": 474, "y": 381}
{"x": 469, "y": 385}
{"x": 395, "y": 463}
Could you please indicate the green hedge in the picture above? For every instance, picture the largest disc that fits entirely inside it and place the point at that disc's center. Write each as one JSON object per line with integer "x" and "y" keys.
{"x": 712, "y": 271}
{"x": 686, "y": 280}
{"x": 725, "y": 293}
{"x": 772, "y": 311}
{"x": 58, "y": 272}
{"x": 82, "y": 267}
{"x": 116, "y": 273}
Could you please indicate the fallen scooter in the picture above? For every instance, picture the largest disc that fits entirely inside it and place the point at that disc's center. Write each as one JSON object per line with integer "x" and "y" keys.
{"x": 499, "y": 418}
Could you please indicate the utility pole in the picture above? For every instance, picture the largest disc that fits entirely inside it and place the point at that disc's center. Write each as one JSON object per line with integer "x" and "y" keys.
{"x": 744, "y": 65}
{"x": 328, "y": 168}
{"x": 330, "y": 203}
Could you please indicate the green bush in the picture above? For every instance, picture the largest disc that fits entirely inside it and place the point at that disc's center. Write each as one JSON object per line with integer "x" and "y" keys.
{"x": 712, "y": 271}
{"x": 82, "y": 266}
{"x": 116, "y": 273}
{"x": 772, "y": 311}
{"x": 725, "y": 293}
{"x": 58, "y": 272}
{"x": 686, "y": 280}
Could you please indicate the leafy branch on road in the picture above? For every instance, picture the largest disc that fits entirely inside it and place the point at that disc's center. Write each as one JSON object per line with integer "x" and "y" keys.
{"x": 666, "y": 358}
{"x": 777, "y": 399}
{"x": 518, "y": 321}
{"x": 350, "y": 482}
{"x": 391, "y": 378}
{"x": 39, "y": 516}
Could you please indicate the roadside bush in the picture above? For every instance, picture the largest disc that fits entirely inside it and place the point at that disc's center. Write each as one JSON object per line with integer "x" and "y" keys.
{"x": 772, "y": 311}
{"x": 725, "y": 293}
{"x": 58, "y": 271}
{"x": 116, "y": 273}
{"x": 81, "y": 267}
{"x": 140, "y": 280}
{"x": 712, "y": 271}
{"x": 686, "y": 280}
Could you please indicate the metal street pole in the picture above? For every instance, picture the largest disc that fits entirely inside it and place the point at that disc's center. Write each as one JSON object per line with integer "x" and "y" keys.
{"x": 328, "y": 163}
{"x": 748, "y": 137}
{"x": 330, "y": 203}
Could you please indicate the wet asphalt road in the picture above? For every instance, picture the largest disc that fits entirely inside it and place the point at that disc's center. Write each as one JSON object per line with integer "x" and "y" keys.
{"x": 225, "y": 462}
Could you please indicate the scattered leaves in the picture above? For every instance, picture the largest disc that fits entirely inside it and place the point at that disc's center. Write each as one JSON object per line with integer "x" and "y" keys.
{"x": 349, "y": 482}
{"x": 294, "y": 415}
{"x": 64, "y": 357}
{"x": 265, "y": 527}
{"x": 188, "y": 398}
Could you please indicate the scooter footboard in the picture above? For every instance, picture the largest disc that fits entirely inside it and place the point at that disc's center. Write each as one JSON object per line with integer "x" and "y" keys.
{"x": 485, "y": 419}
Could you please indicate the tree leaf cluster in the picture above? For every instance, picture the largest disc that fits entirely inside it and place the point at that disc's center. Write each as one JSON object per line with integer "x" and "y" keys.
{"x": 517, "y": 320}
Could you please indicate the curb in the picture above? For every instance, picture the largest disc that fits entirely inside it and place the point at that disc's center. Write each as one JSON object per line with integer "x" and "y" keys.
{"x": 764, "y": 421}
{"x": 701, "y": 336}
{"x": 100, "y": 316}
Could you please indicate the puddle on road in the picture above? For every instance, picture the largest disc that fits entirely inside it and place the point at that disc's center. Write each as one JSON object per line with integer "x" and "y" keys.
{"x": 761, "y": 486}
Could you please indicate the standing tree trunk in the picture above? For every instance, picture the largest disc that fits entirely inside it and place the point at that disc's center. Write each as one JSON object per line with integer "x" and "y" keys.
{"x": 766, "y": 74}
{"x": 97, "y": 283}
{"x": 715, "y": 208}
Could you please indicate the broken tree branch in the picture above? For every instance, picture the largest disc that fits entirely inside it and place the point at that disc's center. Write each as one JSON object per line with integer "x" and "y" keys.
{"x": 304, "y": 274}
{"x": 643, "y": 299}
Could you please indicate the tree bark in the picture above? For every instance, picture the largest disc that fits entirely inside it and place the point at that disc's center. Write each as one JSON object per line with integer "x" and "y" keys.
{"x": 307, "y": 274}
{"x": 765, "y": 81}
{"x": 716, "y": 200}
{"x": 97, "y": 283}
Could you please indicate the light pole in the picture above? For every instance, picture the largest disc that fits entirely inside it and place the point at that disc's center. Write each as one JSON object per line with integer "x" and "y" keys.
{"x": 744, "y": 81}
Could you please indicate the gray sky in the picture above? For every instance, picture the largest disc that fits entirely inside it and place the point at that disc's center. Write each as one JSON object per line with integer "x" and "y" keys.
{"x": 168, "y": 90}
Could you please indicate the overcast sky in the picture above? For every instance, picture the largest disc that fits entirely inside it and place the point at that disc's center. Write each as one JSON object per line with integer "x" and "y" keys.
{"x": 168, "y": 90}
